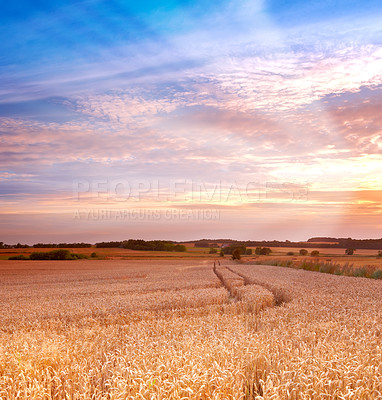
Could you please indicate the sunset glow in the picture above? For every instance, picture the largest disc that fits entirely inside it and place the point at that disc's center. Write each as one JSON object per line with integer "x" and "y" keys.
{"x": 122, "y": 119}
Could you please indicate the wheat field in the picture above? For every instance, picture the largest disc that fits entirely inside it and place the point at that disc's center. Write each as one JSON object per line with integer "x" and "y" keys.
{"x": 186, "y": 329}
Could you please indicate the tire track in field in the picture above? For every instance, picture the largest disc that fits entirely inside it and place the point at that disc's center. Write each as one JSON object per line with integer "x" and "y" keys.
{"x": 280, "y": 296}
{"x": 252, "y": 297}
{"x": 229, "y": 279}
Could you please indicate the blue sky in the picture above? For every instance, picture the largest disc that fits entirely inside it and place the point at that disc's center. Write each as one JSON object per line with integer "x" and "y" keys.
{"x": 187, "y": 91}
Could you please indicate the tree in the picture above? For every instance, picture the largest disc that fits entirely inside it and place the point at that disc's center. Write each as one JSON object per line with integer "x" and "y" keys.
{"x": 221, "y": 253}
{"x": 349, "y": 252}
{"x": 263, "y": 251}
{"x": 213, "y": 251}
{"x": 236, "y": 254}
{"x": 230, "y": 249}
{"x": 315, "y": 253}
{"x": 303, "y": 252}
{"x": 266, "y": 251}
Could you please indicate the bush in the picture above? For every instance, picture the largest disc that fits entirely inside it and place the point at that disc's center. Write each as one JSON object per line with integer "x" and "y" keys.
{"x": 377, "y": 274}
{"x": 303, "y": 252}
{"x": 315, "y": 253}
{"x": 290, "y": 253}
{"x": 40, "y": 255}
{"x": 77, "y": 257}
{"x": 349, "y": 252}
{"x": 56, "y": 255}
{"x": 248, "y": 252}
{"x": 51, "y": 255}
{"x": 305, "y": 265}
{"x": 379, "y": 253}
{"x": 327, "y": 268}
{"x": 60, "y": 255}
{"x": 93, "y": 255}
{"x": 360, "y": 272}
{"x": 19, "y": 257}
{"x": 180, "y": 247}
{"x": 212, "y": 251}
{"x": 221, "y": 253}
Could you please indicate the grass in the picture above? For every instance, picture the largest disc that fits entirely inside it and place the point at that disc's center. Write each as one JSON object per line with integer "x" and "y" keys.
{"x": 328, "y": 267}
{"x": 182, "y": 328}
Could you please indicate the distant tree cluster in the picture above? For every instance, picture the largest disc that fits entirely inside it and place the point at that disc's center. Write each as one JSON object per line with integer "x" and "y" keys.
{"x": 235, "y": 251}
{"x": 13, "y": 246}
{"x": 152, "y": 245}
{"x": 45, "y": 245}
{"x": 140, "y": 244}
{"x": 347, "y": 243}
{"x": 230, "y": 249}
{"x": 263, "y": 251}
{"x": 325, "y": 239}
{"x": 105, "y": 245}
{"x": 205, "y": 243}
{"x": 318, "y": 242}
{"x": 202, "y": 243}
{"x": 61, "y": 254}
{"x": 62, "y": 245}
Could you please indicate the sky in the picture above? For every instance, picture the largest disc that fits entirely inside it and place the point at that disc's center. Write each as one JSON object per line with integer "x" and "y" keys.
{"x": 187, "y": 119}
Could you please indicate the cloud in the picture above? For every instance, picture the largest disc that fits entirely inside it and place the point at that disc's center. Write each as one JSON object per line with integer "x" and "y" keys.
{"x": 227, "y": 95}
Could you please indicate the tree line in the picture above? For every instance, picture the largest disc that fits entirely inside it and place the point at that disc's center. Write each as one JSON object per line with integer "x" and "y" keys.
{"x": 339, "y": 243}
{"x": 140, "y": 244}
{"x": 80, "y": 245}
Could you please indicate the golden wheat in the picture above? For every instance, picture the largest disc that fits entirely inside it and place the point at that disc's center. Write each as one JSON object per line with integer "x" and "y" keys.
{"x": 170, "y": 330}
